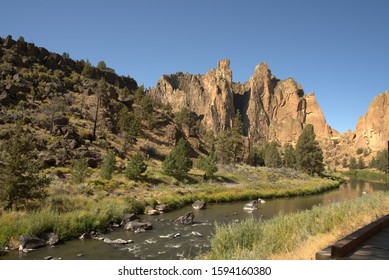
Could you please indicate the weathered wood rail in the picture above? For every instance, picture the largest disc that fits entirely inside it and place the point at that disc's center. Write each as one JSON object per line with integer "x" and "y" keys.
{"x": 342, "y": 248}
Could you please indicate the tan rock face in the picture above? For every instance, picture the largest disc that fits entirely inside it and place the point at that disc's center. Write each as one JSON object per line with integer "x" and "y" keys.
{"x": 271, "y": 109}
{"x": 372, "y": 128}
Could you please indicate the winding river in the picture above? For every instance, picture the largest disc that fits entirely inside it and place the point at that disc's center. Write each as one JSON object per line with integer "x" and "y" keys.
{"x": 169, "y": 241}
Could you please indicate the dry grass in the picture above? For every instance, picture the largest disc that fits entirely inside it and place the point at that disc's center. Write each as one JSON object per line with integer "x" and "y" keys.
{"x": 299, "y": 235}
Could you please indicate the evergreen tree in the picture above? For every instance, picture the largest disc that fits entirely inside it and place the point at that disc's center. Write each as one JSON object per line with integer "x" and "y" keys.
{"x": 87, "y": 71}
{"x": 178, "y": 163}
{"x": 108, "y": 166}
{"x": 136, "y": 167}
{"x": 344, "y": 162}
{"x": 20, "y": 178}
{"x": 380, "y": 161}
{"x": 237, "y": 124}
{"x": 208, "y": 164}
{"x": 79, "y": 170}
{"x": 225, "y": 147}
{"x": 147, "y": 106}
{"x": 139, "y": 93}
{"x": 353, "y": 164}
{"x": 290, "y": 156}
{"x": 130, "y": 125}
{"x": 309, "y": 155}
{"x": 258, "y": 156}
{"x": 272, "y": 156}
{"x": 361, "y": 163}
{"x": 101, "y": 65}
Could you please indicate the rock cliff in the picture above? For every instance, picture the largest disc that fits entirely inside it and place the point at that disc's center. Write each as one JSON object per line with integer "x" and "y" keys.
{"x": 271, "y": 109}
{"x": 372, "y": 128}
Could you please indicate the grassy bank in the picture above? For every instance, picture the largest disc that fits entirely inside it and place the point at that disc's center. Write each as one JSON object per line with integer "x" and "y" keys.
{"x": 72, "y": 210}
{"x": 368, "y": 175}
{"x": 299, "y": 235}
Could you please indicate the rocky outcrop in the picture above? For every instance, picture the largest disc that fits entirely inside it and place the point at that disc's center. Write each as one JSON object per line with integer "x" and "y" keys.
{"x": 271, "y": 109}
{"x": 372, "y": 128}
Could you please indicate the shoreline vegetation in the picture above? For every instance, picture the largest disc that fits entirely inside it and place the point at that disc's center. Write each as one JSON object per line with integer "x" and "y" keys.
{"x": 299, "y": 235}
{"x": 70, "y": 210}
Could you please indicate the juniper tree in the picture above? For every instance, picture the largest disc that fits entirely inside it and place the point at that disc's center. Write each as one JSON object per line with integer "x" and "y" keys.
{"x": 20, "y": 178}
{"x": 178, "y": 163}
{"x": 208, "y": 164}
{"x": 309, "y": 155}
{"x": 136, "y": 167}
{"x": 272, "y": 156}
{"x": 108, "y": 166}
{"x": 289, "y": 156}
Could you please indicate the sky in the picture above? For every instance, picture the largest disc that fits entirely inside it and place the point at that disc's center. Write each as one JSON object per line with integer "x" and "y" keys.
{"x": 337, "y": 49}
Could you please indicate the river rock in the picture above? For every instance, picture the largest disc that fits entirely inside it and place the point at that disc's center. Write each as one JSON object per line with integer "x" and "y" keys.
{"x": 186, "y": 219}
{"x": 151, "y": 211}
{"x": 117, "y": 241}
{"x": 138, "y": 226}
{"x": 129, "y": 218}
{"x": 50, "y": 238}
{"x": 252, "y": 205}
{"x": 199, "y": 205}
{"x": 162, "y": 207}
{"x": 30, "y": 242}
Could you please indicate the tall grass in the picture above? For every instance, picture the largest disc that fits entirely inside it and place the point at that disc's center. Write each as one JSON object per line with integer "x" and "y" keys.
{"x": 251, "y": 239}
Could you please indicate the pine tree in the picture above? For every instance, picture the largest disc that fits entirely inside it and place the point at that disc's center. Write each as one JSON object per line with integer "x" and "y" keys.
{"x": 272, "y": 156}
{"x": 136, "y": 167}
{"x": 178, "y": 163}
{"x": 87, "y": 71}
{"x": 380, "y": 161}
{"x": 344, "y": 162}
{"x": 79, "y": 170}
{"x": 290, "y": 156}
{"x": 108, "y": 166}
{"x": 20, "y": 178}
{"x": 309, "y": 155}
{"x": 361, "y": 163}
{"x": 208, "y": 164}
{"x": 225, "y": 147}
{"x": 353, "y": 164}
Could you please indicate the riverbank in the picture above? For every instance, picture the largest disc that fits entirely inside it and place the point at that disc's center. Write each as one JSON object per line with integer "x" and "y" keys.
{"x": 368, "y": 175}
{"x": 70, "y": 211}
{"x": 299, "y": 235}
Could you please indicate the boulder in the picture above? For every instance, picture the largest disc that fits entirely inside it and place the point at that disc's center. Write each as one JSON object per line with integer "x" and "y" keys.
{"x": 50, "y": 238}
{"x": 129, "y": 218}
{"x": 199, "y": 205}
{"x": 30, "y": 242}
{"x": 118, "y": 241}
{"x": 186, "y": 219}
{"x": 162, "y": 208}
{"x": 61, "y": 121}
{"x": 138, "y": 226}
{"x": 151, "y": 211}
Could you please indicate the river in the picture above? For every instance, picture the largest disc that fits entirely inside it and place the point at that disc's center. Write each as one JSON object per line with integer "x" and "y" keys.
{"x": 169, "y": 241}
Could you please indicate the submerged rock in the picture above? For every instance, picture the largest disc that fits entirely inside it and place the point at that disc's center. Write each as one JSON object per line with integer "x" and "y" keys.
{"x": 186, "y": 219}
{"x": 138, "y": 226}
{"x": 250, "y": 206}
{"x": 199, "y": 205}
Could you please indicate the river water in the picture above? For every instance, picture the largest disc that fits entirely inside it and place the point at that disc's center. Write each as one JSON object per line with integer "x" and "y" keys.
{"x": 169, "y": 241}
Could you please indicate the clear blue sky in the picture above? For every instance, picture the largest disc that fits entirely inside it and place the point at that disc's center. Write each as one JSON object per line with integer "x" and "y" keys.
{"x": 337, "y": 49}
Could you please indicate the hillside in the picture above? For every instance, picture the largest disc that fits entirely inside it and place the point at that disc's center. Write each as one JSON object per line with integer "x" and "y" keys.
{"x": 74, "y": 109}
{"x": 59, "y": 100}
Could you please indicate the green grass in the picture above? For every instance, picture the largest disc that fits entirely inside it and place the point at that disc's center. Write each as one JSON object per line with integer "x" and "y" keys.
{"x": 251, "y": 239}
{"x": 70, "y": 210}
